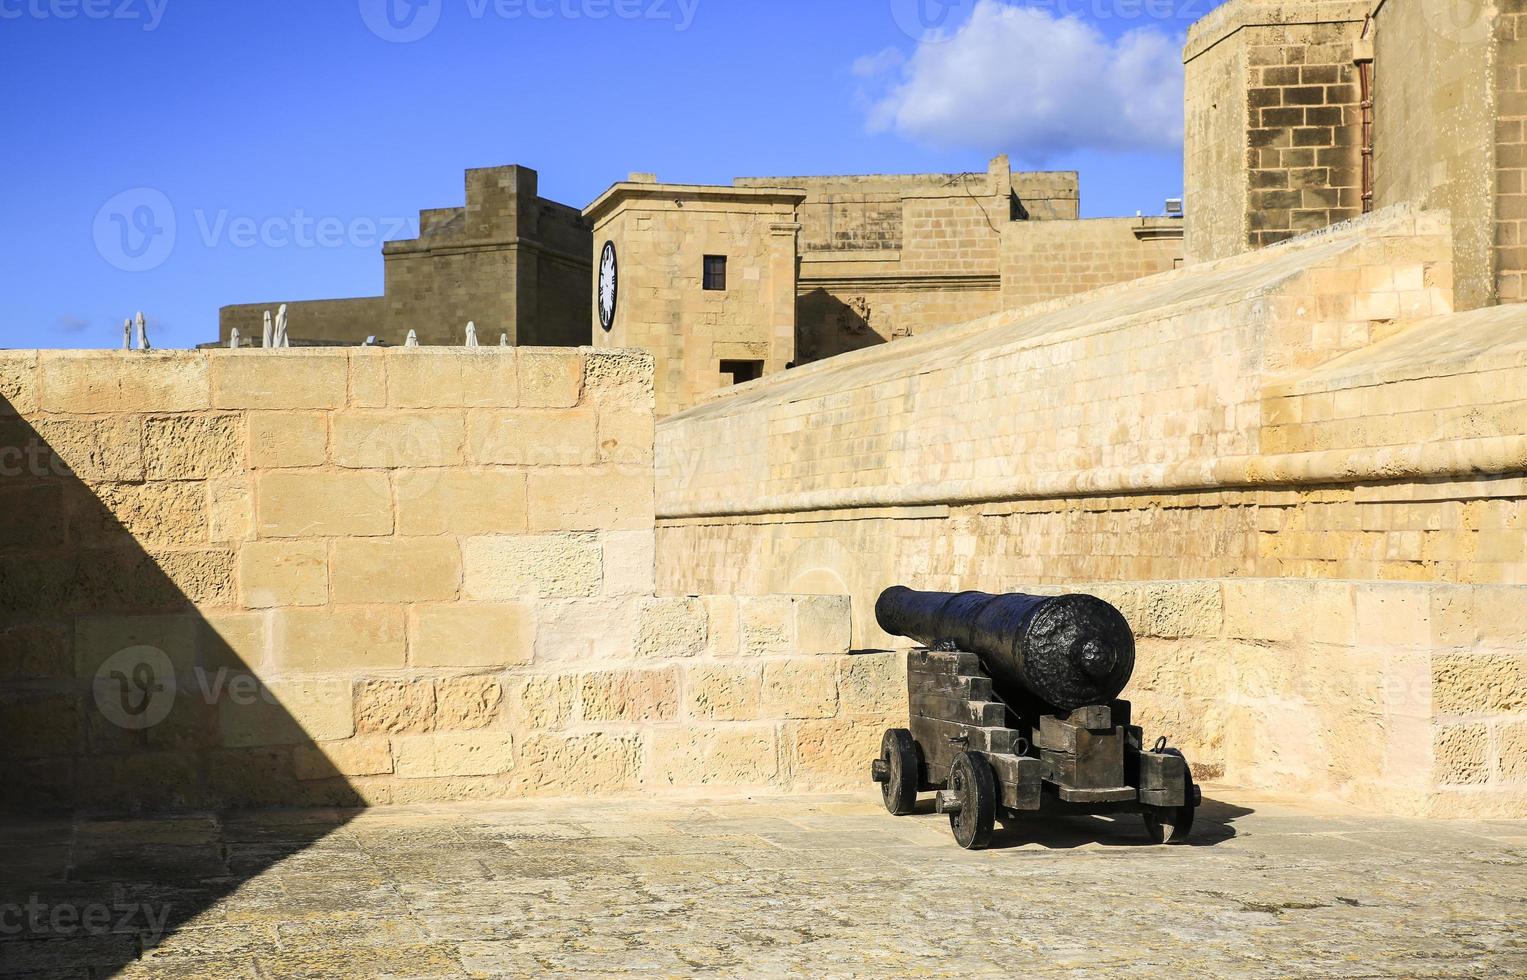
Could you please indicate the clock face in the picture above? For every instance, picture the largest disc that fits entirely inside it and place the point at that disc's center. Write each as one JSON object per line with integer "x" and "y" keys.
{"x": 609, "y": 286}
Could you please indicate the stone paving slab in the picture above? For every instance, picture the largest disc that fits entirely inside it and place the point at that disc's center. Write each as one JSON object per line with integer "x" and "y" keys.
{"x": 826, "y": 887}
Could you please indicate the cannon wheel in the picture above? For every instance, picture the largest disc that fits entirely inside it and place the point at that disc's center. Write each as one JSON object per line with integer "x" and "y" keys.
{"x": 974, "y": 789}
{"x": 1173, "y": 824}
{"x": 898, "y": 752}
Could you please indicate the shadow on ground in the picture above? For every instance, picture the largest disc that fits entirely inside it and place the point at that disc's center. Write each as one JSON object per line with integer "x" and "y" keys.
{"x": 1213, "y": 824}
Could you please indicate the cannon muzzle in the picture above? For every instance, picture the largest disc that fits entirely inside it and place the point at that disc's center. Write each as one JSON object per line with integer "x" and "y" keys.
{"x": 1067, "y": 651}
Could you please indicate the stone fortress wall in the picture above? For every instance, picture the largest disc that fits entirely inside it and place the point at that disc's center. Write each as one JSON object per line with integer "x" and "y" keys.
{"x": 510, "y": 260}
{"x": 1300, "y": 467}
{"x": 374, "y": 576}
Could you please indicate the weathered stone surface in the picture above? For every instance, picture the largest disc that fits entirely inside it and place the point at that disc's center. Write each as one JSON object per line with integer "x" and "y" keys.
{"x": 626, "y": 436}
{"x": 310, "y": 505}
{"x": 18, "y": 383}
{"x": 725, "y": 692}
{"x": 541, "y": 701}
{"x": 461, "y": 378}
{"x": 288, "y": 440}
{"x": 193, "y": 447}
{"x": 286, "y": 380}
{"x": 105, "y": 382}
{"x": 550, "y": 377}
{"x": 467, "y": 703}
{"x": 230, "y": 509}
{"x": 238, "y": 642}
{"x": 671, "y": 628}
{"x": 474, "y": 754}
{"x": 630, "y": 695}
{"x": 202, "y": 577}
{"x": 395, "y": 707}
{"x": 548, "y": 566}
{"x": 472, "y": 636}
{"x": 105, "y": 448}
{"x": 1511, "y": 754}
{"x": 338, "y": 639}
{"x": 1463, "y": 754}
{"x": 285, "y": 713}
{"x": 767, "y": 624}
{"x": 156, "y": 513}
{"x": 630, "y": 562}
{"x": 352, "y": 757}
{"x": 284, "y": 573}
{"x": 393, "y": 440}
{"x": 873, "y": 683}
{"x": 590, "y": 500}
{"x": 822, "y": 624}
{"x": 533, "y": 438}
{"x": 1479, "y": 684}
{"x": 463, "y": 502}
{"x": 832, "y": 753}
{"x": 725, "y": 755}
{"x": 395, "y": 570}
{"x": 579, "y": 765}
{"x": 800, "y": 688}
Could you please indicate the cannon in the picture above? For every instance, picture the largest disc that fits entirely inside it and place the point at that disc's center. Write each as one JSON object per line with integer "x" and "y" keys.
{"x": 1015, "y": 711}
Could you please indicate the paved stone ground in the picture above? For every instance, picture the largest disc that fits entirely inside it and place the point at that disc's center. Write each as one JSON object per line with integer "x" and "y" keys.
{"x": 822, "y": 887}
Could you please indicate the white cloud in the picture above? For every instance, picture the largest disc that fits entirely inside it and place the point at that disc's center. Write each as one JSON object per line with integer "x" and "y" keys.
{"x": 1032, "y": 84}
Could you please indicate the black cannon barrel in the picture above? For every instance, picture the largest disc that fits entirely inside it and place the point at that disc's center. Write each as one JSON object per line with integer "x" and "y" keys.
{"x": 1068, "y": 651}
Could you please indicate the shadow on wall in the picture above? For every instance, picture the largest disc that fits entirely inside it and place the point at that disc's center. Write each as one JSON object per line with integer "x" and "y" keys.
{"x": 827, "y": 326}
{"x": 119, "y": 699}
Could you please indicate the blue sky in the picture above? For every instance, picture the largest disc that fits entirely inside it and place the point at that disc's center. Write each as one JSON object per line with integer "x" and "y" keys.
{"x": 286, "y": 138}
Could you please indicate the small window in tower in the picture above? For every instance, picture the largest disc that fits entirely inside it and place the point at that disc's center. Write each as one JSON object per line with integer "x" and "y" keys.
{"x": 715, "y": 272}
{"x": 741, "y": 372}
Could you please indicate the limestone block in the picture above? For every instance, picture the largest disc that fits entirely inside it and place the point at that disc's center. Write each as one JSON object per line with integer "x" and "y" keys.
{"x": 1497, "y": 614}
{"x": 550, "y": 377}
{"x": 467, "y": 703}
{"x": 338, "y": 639}
{"x": 284, "y": 573}
{"x": 1511, "y": 754}
{"x": 671, "y": 628}
{"x": 237, "y": 642}
{"x": 1180, "y": 609}
{"x": 38, "y": 725}
{"x": 1461, "y": 754}
{"x": 287, "y": 440}
{"x": 724, "y": 692}
{"x": 873, "y": 683}
{"x": 1479, "y": 683}
{"x": 1394, "y": 615}
{"x": 464, "y": 502}
{"x": 549, "y": 566}
{"x": 395, "y": 707}
{"x": 18, "y": 383}
{"x": 800, "y": 688}
{"x": 368, "y": 378}
{"x": 285, "y": 713}
{"x": 391, "y": 440}
{"x": 832, "y": 753}
{"x": 99, "y": 639}
{"x": 472, "y": 636}
{"x": 486, "y": 377}
{"x": 590, "y": 500}
{"x": 230, "y": 509}
{"x": 193, "y": 447}
{"x": 630, "y": 563}
{"x": 822, "y": 624}
{"x": 626, "y": 437}
{"x": 309, "y": 505}
{"x": 579, "y": 765}
{"x": 620, "y": 376}
{"x": 284, "y": 380}
{"x": 108, "y": 448}
{"x": 148, "y": 513}
{"x": 767, "y": 624}
{"x": 472, "y": 754}
{"x": 723, "y": 755}
{"x": 541, "y": 701}
{"x": 533, "y": 438}
{"x": 585, "y": 630}
{"x": 630, "y": 695}
{"x": 36, "y": 651}
{"x": 725, "y": 628}
{"x": 203, "y": 577}
{"x": 395, "y": 570}
{"x": 114, "y": 382}
{"x": 352, "y": 757}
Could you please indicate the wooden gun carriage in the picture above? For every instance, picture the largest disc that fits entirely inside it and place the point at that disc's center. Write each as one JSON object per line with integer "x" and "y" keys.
{"x": 1015, "y": 711}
